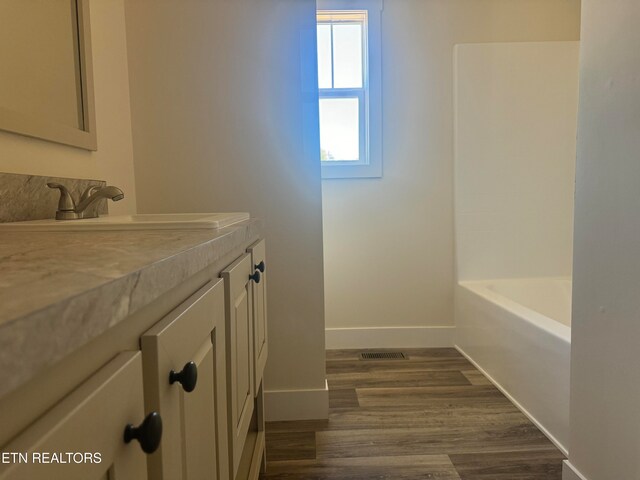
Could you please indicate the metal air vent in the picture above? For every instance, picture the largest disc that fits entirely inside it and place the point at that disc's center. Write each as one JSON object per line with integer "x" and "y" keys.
{"x": 382, "y": 356}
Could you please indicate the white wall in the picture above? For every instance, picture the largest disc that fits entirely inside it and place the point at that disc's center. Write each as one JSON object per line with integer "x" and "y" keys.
{"x": 113, "y": 161}
{"x": 515, "y": 148}
{"x": 605, "y": 378}
{"x": 389, "y": 242}
{"x": 225, "y": 118}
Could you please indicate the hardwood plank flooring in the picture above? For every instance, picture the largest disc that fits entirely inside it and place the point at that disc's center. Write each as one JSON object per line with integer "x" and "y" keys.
{"x": 475, "y": 377}
{"x": 432, "y": 415}
{"x": 406, "y": 467}
{"x": 426, "y": 396}
{"x": 396, "y": 379}
{"x": 437, "y": 359}
{"x": 341, "y": 398}
{"x": 431, "y": 419}
{"x": 509, "y": 465}
{"x": 424, "y": 365}
{"x": 291, "y": 445}
{"x": 432, "y": 441}
{"x": 412, "y": 354}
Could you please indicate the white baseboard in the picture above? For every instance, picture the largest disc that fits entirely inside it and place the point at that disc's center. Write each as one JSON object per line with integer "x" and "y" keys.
{"x": 533, "y": 419}
{"x": 569, "y": 472}
{"x": 389, "y": 337}
{"x": 312, "y": 404}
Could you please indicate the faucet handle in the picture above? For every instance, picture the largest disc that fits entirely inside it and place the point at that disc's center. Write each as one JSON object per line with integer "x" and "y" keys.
{"x": 66, "y": 203}
{"x": 89, "y": 191}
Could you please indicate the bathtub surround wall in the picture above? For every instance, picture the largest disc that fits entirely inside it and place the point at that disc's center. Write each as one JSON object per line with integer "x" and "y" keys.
{"x": 605, "y": 378}
{"x": 113, "y": 161}
{"x": 27, "y": 197}
{"x": 516, "y": 107}
{"x": 389, "y": 258}
{"x": 225, "y": 118}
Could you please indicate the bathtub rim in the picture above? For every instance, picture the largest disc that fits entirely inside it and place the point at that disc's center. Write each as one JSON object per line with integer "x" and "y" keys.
{"x": 537, "y": 319}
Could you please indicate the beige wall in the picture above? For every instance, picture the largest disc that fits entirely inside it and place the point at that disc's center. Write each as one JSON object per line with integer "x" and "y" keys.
{"x": 224, "y": 111}
{"x": 113, "y": 161}
{"x": 516, "y": 115}
{"x": 389, "y": 242}
{"x": 605, "y": 378}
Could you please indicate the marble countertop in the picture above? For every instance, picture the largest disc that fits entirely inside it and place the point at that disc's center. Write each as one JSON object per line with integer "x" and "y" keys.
{"x": 59, "y": 290}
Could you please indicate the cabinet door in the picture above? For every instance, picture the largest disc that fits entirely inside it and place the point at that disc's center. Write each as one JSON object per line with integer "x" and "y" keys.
{"x": 239, "y": 329}
{"x": 90, "y": 420}
{"x": 181, "y": 365}
{"x": 260, "y": 350}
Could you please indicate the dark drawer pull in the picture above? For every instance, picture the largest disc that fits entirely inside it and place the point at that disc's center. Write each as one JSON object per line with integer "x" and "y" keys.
{"x": 148, "y": 433}
{"x": 260, "y": 266}
{"x": 188, "y": 377}
{"x": 255, "y": 277}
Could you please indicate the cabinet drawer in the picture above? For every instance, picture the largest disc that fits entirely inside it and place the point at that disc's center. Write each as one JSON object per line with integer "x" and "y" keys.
{"x": 260, "y": 344}
{"x": 183, "y": 356}
{"x": 90, "y": 420}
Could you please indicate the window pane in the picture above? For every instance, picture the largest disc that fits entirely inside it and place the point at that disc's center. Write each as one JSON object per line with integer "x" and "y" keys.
{"x": 324, "y": 56}
{"x": 339, "y": 129}
{"x": 347, "y": 56}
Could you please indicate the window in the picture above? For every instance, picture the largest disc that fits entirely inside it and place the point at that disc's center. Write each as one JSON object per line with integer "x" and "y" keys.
{"x": 349, "y": 88}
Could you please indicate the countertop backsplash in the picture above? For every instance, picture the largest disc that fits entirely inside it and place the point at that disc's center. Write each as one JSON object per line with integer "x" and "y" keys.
{"x": 27, "y": 197}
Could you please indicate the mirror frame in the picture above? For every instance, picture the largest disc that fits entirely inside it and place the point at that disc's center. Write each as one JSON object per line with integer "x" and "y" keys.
{"x": 34, "y": 126}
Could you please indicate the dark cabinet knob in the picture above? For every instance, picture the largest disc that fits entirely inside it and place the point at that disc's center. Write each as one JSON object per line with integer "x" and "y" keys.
{"x": 148, "y": 433}
{"x": 188, "y": 377}
{"x": 260, "y": 266}
{"x": 255, "y": 277}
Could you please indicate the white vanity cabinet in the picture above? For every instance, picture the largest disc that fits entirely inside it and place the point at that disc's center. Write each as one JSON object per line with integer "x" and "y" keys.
{"x": 184, "y": 371}
{"x": 181, "y": 375}
{"x": 90, "y": 420}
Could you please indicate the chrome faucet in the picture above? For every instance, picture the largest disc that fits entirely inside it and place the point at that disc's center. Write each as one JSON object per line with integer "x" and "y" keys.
{"x": 67, "y": 209}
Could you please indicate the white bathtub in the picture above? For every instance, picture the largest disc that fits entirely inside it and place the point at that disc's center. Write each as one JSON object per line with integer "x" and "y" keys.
{"x": 517, "y": 331}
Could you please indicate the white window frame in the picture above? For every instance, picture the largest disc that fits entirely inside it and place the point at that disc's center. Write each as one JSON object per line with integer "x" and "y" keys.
{"x": 370, "y": 163}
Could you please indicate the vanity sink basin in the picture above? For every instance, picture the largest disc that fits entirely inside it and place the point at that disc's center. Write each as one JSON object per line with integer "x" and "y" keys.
{"x": 169, "y": 221}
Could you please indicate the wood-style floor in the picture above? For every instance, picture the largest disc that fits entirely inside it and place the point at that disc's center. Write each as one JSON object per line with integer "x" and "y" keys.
{"x": 432, "y": 416}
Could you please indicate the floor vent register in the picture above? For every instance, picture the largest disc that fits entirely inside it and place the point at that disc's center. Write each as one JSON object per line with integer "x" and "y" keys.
{"x": 382, "y": 356}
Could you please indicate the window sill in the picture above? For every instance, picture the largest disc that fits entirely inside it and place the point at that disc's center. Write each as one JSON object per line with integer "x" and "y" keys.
{"x": 351, "y": 171}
